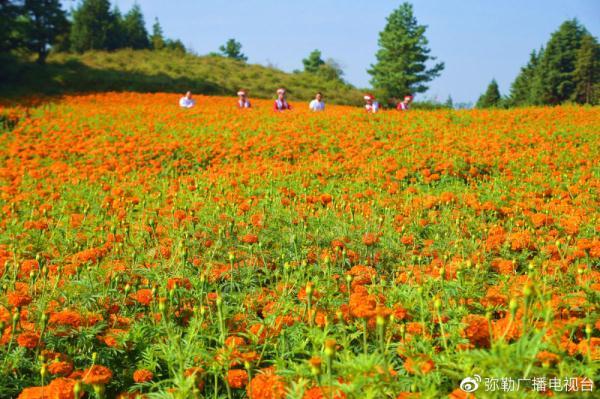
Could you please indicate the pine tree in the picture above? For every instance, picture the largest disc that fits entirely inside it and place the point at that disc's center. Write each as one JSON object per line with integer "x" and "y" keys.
{"x": 157, "y": 39}
{"x": 313, "y": 62}
{"x": 521, "y": 90}
{"x": 402, "y": 56}
{"x": 554, "y": 82}
{"x": 491, "y": 98}
{"x": 45, "y": 20}
{"x": 134, "y": 29}
{"x": 587, "y": 71}
{"x": 233, "y": 49}
{"x": 93, "y": 25}
{"x": 116, "y": 37}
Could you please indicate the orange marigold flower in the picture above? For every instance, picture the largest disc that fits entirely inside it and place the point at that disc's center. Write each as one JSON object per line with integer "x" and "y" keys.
{"x": 18, "y": 300}
{"x": 28, "y": 340}
{"x": 370, "y": 239}
{"x": 61, "y": 388}
{"x": 547, "y": 358}
{"x": 234, "y": 341}
{"x": 266, "y": 386}
{"x": 323, "y": 393}
{"x": 66, "y": 318}
{"x": 97, "y": 375}
{"x": 144, "y": 296}
{"x": 180, "y": 282}
{"x": 249, "y": 239}
{"x": 460, "y": 394}
{"x": 421, "y": 364}
{"x": 142, "y": 375}
{"x": 237, "y": 379}
{"x": 326, "y": 199}
{"x": 408, "y": 395}
{"x": 477, "y": 330}
{"x": 60, "y": 368}
{"x": 34, "y": 393}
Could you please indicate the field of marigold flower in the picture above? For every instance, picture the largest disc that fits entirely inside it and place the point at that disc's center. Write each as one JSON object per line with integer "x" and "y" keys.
{"x": 148, "y": 251}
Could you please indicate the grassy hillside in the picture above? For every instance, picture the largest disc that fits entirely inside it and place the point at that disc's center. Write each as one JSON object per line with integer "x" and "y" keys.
{"x": 163, "y": 71}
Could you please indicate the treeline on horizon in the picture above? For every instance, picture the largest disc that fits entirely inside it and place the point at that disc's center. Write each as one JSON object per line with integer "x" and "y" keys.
{"x": 566, "y": 69}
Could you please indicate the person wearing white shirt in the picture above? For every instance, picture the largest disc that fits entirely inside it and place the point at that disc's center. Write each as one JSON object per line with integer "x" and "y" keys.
{"x": 371, "y": 105}
{"x": 187, "y": 101}
{"x": 243, "y": 101}
{"x": 317, "y": 104}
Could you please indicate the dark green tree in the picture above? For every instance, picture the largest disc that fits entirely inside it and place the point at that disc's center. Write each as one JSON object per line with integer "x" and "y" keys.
{"x": 134, "y": 29}
{"x": 175, "y": 45}
{"x": 403, "y": 55}
{"x": 116, "y": 32}
{"x": 157, "y": 39}
{"x": 555, "y": 78}
{"x": 313, "y": 62}
{"x": 521, "y": 90}
{"x": 331, "y": 70}
{"x": 491, "y": 98}
{"x": 587, "y": 71}
{"x": 44, "y": 21}
{"x": 10, "y": 32}
{"x": 233, "y": 49}
{"x": 93, "y": 26}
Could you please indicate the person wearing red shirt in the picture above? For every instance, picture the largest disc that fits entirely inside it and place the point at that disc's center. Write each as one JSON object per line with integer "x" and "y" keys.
{"x": 281, "y": 103}
{"x": 405, "y": 104}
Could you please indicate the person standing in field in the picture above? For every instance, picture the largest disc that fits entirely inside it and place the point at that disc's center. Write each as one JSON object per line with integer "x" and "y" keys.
{"x": 281, "y": 103}
{"x": 405, "y": 104}
{"x": 317, "y": 104}
{"x": 243, "y": 101}
{"x": 187, "y": 101}
{"x": 371, "y": 105}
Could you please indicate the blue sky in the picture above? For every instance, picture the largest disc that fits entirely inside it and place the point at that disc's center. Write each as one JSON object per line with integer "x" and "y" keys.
{"x": 477, "y": 39}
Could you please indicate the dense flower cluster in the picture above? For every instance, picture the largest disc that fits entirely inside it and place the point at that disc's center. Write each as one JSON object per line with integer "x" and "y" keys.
{"x": 147, "y": 250}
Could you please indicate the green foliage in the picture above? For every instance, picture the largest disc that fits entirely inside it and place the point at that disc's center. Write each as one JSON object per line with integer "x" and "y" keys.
{"x": 566, "y": 69}
{"x": 45, "y": 21}
{"x": 157, "y": 39}
{"x": 168, "y": 70}
{"x": 402, "y": 56}
{"x": 491, "y": 98}
{"x": 587, "y": 72}
{"x": 313, "y": 62}
{"x": 555, "y": 79}
{"x": 133, "y": 25}
{"x": 175, "y": 45}
{"x": 329, "y": 69}
{"x": 233, "y": 49}
{"x": 93, "y": 25}
{"x": 521, "y": 90}
{"x": 9, "y": 25}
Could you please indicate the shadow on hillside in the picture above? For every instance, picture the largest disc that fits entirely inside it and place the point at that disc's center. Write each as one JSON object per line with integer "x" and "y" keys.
{"x": 19, "y": 81}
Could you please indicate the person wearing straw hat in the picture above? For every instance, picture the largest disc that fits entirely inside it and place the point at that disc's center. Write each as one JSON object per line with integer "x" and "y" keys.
{"x": 187, "y": 101}
{"x": 317, "y": 104}
{"x": 281, "y": 103}
{"x": 405, "y": 104}
{"x": 371, "y": 105}
{"x": 243, "y": 101}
